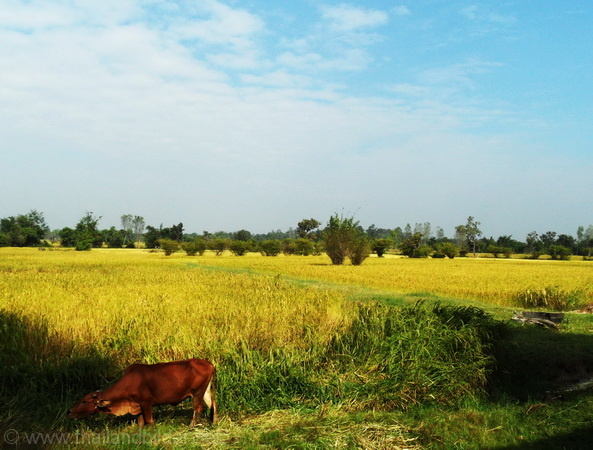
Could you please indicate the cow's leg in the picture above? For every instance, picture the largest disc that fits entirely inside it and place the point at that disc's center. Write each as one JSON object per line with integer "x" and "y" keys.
{"x": 198, "y": 408}
{"x": 211, "y": 403}
{"x": 141, "y": 420}
{"x": 146, "y": 414}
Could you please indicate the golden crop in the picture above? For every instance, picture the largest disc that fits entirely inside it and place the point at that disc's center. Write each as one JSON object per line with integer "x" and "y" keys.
{"x": 180, "y": 306}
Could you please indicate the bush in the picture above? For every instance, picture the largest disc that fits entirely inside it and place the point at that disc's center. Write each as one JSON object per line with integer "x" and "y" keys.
{"x": 360, "y": 250}
{"x": 447, "y": 249}
{"x": 380, "y": 246}
{"x": 551, "y": 297}
{"x": 239, "y": 248}
{"x": 559, "y": 252}
{"x": 423, "y": 251}
{"x": 271, "y": 247}
{"x": 169, "y": 246}
{"x": 345, "y": 239}
{"x": 84, "y": 245}
{"x": 197, "y": 246}
{"x": 303, "y": 246}
{"x": 219, "y": 246}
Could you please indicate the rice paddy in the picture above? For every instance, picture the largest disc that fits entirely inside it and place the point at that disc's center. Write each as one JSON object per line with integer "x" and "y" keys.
{"x": 286, "y": 332}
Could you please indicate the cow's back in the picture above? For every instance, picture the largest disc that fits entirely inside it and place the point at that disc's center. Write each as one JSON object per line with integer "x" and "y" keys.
{"x": 166, "y": 382}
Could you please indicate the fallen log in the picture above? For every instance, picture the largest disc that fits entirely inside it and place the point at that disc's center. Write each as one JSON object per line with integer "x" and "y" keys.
{"x": 542, "y": 319}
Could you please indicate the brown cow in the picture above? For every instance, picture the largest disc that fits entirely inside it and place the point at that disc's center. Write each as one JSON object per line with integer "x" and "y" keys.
{"x": 144, "y": 385}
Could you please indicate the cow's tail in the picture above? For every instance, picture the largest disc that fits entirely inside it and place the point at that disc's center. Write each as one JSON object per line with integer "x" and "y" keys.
{"x": 211, "y": 394}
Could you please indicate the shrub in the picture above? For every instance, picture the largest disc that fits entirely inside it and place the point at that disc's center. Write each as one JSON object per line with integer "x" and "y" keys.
{"x": 271, "y": 247}
{"x": 169, "y": 246}
{"x": 551, "y": 297}
{"x": 410, "y": 245}
{"x": 303, "y": 246}
{"x": 239, "y": 248}
{"x": 360, "y": 250}
{"x": 219, "y": 246}
{"x": 345, "y": 239}
{"x": 83, "y": 245}
{"x": 380, "y": 246}
{"x": 559, "y": 252}
{"x": 197, "y": 246}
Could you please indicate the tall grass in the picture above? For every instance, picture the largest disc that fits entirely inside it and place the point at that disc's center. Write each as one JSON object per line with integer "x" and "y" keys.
{"x": 71, "y": 322}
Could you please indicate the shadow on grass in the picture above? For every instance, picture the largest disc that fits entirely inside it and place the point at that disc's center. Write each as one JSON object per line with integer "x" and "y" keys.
{"x": 41, "y": 373}
{"x": 581, "y": 438}
{"x": 535, "y": 363}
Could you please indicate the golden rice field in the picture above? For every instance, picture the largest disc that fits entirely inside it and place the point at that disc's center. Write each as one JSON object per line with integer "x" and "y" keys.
{"x": 484, "y": 280}
{"x": 180, "y": 306}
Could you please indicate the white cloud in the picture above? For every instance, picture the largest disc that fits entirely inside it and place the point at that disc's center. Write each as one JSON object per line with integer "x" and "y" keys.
{"x": 401, "y": 11}
{"x": 350, "y": 18}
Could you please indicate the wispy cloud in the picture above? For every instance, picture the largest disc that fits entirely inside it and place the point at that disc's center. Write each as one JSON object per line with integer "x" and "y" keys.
{"x": 349, "y": 18}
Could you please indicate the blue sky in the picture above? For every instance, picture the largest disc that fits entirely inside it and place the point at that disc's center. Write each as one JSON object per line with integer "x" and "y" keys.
{"x": 249, "y": 114}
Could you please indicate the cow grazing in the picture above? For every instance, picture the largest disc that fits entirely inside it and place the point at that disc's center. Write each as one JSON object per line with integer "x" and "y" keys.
{"x": 144, "y": 385}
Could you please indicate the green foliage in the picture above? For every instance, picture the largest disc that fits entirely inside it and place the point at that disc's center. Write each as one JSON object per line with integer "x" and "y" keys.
{"x": 114, "y": 238}
{"x": 83, "y": 245}
{"x": 303, "y": 247}
{"x": 411, "y": 245}
{"x": 242, "y": 235}
{"x": 498, "y": 250}
{"x": 67, "y": 237}
{"x": 169, "y": 246}
{"x": 87, "y": 231}
{"x": 197, "y": 246}
{"x": 360, "y": 249}
{"x": 24, "y": 230}
{"x": 219, "y": 245}
{"x": 345, "y": 239}
{"x": 381, "y": 360}
{"x": 470, "y": 232}
{"x": 447, "y": 249}
{"x": 239, "y": 248}
{"x": 550, "y": 297}
{"x": 559, "y": 252}
{"x": 271, "y": 247}
{"x": 306, "y": 227}
{"x": 380, "y": 246}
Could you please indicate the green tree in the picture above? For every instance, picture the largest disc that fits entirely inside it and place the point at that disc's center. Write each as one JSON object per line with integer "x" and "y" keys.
{"x": 87, "y": 232}
{"x": 448, "y": 249}
{"x": 559, "y": 252}
{"x": 219, "y": 245}
{"x": 152, "y": 236}
{"x": 176, "y": 232}
{"x": 193, "y": 247}
{"x": 114, "y": 238}
{"x": 471, "y": 232}
{"x": 67, "y": 237}
{"x": 242, "y": 235}
{"x": 411, "y": 245}
{"x": 303, "y": 247}
{"x": 169, "y": 246}
{"x": 24, "y": 230}
{"x": 270, "y": 247}
{"x": 345, "y": 239}
{"x": 380, "y": 246}
{"x": 306, "y": 227}
{"x": 239, "y": 248}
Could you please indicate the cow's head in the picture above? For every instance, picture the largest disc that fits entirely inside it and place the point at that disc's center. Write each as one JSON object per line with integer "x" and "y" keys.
{"x": 90, "y": 404}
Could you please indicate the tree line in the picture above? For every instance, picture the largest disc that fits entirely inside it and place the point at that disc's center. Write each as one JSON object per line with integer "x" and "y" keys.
{"x": 342, "y": 238}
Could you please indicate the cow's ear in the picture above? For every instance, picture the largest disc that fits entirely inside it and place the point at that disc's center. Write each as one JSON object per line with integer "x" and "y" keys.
{"x": 103, "y": 403}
